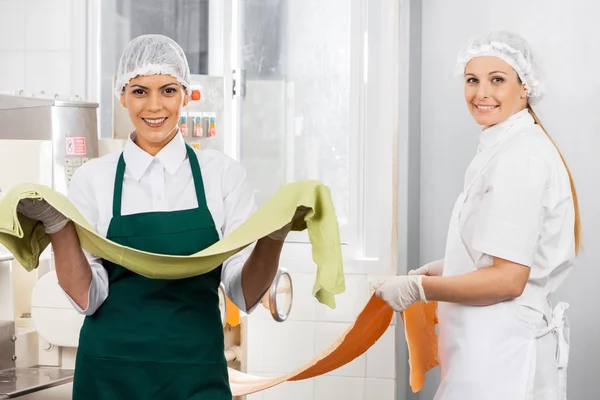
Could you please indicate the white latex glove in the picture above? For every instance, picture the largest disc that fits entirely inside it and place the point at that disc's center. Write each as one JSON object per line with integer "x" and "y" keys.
{"x": 282, "y": 233}
{"x": 400, "y": 292}
{"x": 434, "y": 268}
{"x": 40, "y": 210}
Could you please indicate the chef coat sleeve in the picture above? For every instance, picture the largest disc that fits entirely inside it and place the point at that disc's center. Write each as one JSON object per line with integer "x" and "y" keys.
{"x": 510, "y": 217}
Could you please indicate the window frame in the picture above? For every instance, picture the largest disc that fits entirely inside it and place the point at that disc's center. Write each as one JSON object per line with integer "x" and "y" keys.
{"x": 372, "y": 237}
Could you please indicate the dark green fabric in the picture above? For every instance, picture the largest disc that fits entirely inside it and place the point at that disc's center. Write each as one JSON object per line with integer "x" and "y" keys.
{"x": 155, "y": 338}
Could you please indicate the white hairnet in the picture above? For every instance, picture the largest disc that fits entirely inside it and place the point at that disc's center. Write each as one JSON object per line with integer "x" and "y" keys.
{"x": 152, "y": 55}
{"x": 511, "y": 48}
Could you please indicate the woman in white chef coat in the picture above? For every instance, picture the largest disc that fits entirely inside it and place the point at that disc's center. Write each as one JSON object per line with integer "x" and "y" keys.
{"x": 151, "y": 338}
{"x": 513, "y": 236}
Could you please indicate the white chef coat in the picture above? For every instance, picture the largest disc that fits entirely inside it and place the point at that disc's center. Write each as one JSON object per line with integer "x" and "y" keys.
{"x": 521, "y": 207}
{"x": 517, "y": 205}
{"x": 164, "y": 183}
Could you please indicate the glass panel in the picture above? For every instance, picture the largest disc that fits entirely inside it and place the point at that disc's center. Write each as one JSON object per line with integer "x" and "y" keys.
{"x": 185, "y": 21}
{"x": 295, "y": 123}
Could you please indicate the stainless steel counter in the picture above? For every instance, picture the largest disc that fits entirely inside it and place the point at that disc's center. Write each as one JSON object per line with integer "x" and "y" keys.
{"x": 17, "y": 382}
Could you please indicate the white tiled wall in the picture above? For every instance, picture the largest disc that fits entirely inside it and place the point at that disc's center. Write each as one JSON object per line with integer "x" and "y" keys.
{"x": 278, "y": 348}
{"x": 38, "y": 46}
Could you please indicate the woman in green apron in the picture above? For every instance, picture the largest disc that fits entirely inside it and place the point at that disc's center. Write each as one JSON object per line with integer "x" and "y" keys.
{"x": 149, "y": 338}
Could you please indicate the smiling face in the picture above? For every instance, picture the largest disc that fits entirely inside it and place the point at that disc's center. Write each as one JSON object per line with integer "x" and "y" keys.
{"x": 493, "y": 90}
{"x": 154, "y": 104}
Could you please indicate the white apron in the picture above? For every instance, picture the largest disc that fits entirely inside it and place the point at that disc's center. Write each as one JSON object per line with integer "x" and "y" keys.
{"x": 490, "y": 353}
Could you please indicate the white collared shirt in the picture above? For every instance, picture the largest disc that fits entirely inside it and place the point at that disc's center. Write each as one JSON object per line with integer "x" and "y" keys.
{"x": 163, "y": 183}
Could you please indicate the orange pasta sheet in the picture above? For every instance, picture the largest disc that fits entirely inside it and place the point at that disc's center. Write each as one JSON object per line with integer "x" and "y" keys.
{"x": 419, "y": 321}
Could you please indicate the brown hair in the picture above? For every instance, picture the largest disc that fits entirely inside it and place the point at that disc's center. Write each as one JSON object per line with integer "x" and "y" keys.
{"x": 577, "y": 230}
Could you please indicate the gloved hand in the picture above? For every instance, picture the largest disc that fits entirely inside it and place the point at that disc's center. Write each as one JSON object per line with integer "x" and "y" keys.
{"x": 400, "y": 292}
{"x": 434, "y": 268}
{"x": 282, "y": 233}
{"x": 40, "y": 210}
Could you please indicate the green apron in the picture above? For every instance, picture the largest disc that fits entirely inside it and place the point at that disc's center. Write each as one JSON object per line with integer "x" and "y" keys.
{"x": 152, "y": 338}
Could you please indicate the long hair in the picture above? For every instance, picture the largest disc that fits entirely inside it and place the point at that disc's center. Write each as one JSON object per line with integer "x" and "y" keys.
{"x": 577, "y": 229}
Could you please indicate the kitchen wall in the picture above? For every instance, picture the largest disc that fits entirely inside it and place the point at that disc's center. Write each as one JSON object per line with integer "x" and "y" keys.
{"x": 565, "y": 37}
{"x": 43, "y": 46}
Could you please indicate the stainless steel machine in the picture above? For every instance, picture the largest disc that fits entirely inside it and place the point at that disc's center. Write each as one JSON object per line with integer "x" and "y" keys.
{"x": 42, "y": 140}
{"x": 69, "y": 126}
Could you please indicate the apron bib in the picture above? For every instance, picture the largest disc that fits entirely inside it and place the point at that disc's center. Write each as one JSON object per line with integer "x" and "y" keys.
{"x": 489, "y": 353}
{"x": 153, "y": 338}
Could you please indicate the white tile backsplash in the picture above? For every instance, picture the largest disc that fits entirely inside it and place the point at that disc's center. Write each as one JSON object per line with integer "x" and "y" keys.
{"x": 79, "y": 49}
{"x": 326, "y": 333}
{"x": 256, "y": 396}
{"x": 348, "y": 304}
{"x": 256, "y": 343}
{"x": 279, "y": 347}
{"x": 332, "y": 387}
{"x": 36, "y": 46}
{"x": 48, "y": 25}
{"x": 380, "y": 389}
{"x": 12, "y": 70}
{"x": 300, "y": 390}
{"x": 12, "y": 26}
{"x": 48, "y": 71}
{"x": 305, "y": 304}
{"x": 381, "y": 357}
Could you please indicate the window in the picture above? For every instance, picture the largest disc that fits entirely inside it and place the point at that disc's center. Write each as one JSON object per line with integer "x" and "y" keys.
{"x": 296, "y": 121}
{"x": 320, "y": 102}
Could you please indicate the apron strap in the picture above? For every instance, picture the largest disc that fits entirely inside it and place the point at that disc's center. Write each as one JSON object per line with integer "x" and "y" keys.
{"x": 197, "y": 175}
{"x": 563, "y": 334}
{"x": 560, "y": 326}
{"x": 118, "y": 193}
